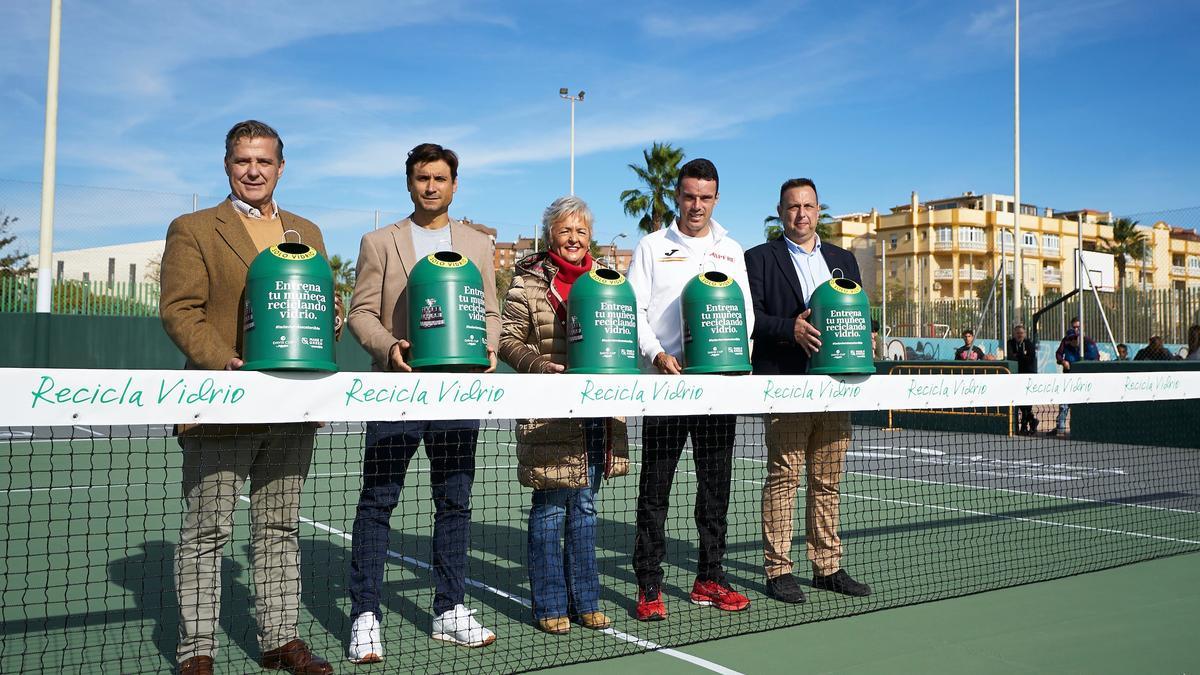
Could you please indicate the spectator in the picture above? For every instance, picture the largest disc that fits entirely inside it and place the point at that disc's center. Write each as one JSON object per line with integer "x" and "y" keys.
{"x": 1155, "y": 351}
{"x": 1122, "y": 352}
{"x": 1068, "y": 352}
{"x": 1193, "y": 343}
{"x": 878, "y": 346}
{"x": 1022, "y": 350}
{"x": 969, "y": 351}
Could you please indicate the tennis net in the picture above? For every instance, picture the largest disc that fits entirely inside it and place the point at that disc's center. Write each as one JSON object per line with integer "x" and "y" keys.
{"x": 941, "y": 495}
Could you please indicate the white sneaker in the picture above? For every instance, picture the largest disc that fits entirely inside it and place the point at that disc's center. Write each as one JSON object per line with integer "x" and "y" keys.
{"x": 365, "y": 643}
{"x": 459, "y": 626}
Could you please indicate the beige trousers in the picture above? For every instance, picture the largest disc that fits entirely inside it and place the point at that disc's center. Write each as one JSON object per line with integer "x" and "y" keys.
{"x": 793, "y": 439}
{"x": 214, "y": 470}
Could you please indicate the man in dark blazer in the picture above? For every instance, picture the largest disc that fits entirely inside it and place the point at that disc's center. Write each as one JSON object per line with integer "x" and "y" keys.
{"x": 783, "y": 275}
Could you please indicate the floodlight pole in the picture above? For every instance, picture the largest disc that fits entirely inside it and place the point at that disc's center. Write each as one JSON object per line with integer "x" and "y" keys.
{"x": 1018, "y": 264}
{"x": 562, "y": 93}
{"x": 49, "y": 159}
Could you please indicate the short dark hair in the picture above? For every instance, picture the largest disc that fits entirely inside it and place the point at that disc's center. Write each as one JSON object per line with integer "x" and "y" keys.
{"x": 252, "y": 129}
{"x": 1073, "y": 319}
{"x": 430, "y": 152}
{"x": 968, "y": 331}
{"x": 701, "y": 169}
{"x": 792, "y": 183}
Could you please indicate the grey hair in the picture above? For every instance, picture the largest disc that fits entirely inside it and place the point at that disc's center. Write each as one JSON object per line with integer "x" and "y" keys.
{"x": 563, "y": 207}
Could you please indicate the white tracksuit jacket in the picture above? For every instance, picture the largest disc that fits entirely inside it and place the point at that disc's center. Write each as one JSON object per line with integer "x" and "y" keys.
{"x": 662, "y": 264}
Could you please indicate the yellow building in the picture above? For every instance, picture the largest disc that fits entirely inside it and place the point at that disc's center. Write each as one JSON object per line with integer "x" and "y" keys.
{"x": 947, "y": 248}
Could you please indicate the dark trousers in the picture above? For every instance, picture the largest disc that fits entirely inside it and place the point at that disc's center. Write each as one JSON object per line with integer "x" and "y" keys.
{"x": 663, "y": 439}
{"x": 450, "y": 446}
{"x": 1025, "y": 417}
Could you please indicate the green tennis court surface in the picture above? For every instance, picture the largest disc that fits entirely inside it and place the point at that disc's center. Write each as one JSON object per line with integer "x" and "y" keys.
{"x": 89, "y": 524}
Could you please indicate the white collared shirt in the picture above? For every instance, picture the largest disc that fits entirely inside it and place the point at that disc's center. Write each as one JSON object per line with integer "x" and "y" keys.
{"x": 251, "y": 212}
{"x": 663, "y": 263}
{"x": 810, "y": 267}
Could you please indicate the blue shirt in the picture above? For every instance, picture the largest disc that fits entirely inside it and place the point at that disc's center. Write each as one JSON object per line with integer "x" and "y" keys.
{"x": 810, "y": 267}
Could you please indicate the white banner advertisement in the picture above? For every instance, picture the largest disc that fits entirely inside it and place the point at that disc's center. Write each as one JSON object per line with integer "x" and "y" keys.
{"x": 41, "y": 397}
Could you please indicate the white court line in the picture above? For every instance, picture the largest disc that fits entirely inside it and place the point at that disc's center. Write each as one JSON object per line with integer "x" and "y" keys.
{"x": 633, "y": 639}
{"x": 1000, "y": 489}
{"x": 996, "y": 515}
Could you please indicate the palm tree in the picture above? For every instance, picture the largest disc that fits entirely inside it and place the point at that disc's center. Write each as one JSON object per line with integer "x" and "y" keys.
{"x": 655, "y": 202}
{"x": 1126, "y": 241}
{"x": 773, "y": 228}
{"x": 343, "y": 275}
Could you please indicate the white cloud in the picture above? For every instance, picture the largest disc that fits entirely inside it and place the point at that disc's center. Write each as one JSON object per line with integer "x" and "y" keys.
{"x": 991, "y": 20}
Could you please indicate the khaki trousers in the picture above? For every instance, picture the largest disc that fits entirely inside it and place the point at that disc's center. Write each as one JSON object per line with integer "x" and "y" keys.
{"x": 793, "y": 439}
{"x": 214, "y": 469}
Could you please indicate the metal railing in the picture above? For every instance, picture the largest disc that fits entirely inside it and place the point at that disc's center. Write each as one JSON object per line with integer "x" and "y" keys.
{"x": 97, "y": 298}
{"x": 1163, "y": 312}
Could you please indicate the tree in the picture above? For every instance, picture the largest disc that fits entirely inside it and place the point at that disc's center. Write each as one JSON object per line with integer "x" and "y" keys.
{"x": 343, "y": 275}
{"x": 773, "y": 227}
{"x": 153, "y": 271}
{"x": 504, "y": 277}
{"x": 15, "y": 262}
{"x": 1126, "y": 241}
{"x": 655, "y": 201}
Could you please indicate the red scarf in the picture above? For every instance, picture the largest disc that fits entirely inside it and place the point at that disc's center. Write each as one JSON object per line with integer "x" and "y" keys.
{"x": 568, "y": 272}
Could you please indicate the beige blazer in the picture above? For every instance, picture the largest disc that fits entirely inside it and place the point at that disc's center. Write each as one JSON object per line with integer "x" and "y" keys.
{"x": 203, "y": 281}
{"x": 379, "y": 306}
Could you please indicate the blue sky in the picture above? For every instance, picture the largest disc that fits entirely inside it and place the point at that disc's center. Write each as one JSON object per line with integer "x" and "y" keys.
{"x": 870, "y": 99}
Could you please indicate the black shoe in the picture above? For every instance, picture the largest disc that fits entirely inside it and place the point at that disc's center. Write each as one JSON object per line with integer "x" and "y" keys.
{"x": 785, "y": 588}
{"x": 840, "y": 582}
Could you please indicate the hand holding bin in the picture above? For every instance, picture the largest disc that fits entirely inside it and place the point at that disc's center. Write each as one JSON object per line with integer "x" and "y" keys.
{"x": 289, "y": 310}
{"x": 842, "y": 312}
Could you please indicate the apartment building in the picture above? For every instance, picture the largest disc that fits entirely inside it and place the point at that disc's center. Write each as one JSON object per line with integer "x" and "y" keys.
{"x": 947, "y": 248}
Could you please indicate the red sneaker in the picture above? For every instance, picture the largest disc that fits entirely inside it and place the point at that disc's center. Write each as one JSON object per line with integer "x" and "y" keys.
{"x": 718, "y": 594}
{"x": 650, "y": 605}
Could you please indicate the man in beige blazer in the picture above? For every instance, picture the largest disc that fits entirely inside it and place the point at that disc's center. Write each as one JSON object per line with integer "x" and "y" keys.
{"x": 204, "y": 270}
{"x": 379, "y": 319}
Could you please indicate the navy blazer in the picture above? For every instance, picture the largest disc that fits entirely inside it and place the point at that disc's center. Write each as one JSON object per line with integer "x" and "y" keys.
{"x": 778, "y": 299}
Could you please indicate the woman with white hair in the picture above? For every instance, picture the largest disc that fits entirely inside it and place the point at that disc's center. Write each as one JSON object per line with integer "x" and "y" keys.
{"x": 563, "y": 460}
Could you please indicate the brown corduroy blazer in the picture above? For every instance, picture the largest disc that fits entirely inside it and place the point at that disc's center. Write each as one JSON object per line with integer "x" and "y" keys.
{"x": 379, "y": 306}
{"x": 203, "y": 278}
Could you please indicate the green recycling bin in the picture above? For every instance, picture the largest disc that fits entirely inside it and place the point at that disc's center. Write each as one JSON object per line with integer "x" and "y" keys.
{"x": 602, "y": 325}
{"x": 447, "y": 326}
{"x": 841, "y": 311}
{"x": 290, "y": 310}
{"x": 714, "y": 325}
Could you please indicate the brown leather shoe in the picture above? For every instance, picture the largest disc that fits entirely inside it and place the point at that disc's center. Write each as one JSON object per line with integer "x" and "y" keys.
{"x": 555, "y": 625}
{"x": 197, "y": 665}
{"x": 594, "y": 620}
{"x": 295, "y": 657}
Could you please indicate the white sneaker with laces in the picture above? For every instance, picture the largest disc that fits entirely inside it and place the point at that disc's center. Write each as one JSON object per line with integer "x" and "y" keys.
{"x": 365, "y": 643}
{"x": 459, "y": 626}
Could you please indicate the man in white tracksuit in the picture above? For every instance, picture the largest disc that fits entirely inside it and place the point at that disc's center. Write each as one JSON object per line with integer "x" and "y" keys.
{"x": 662, "y": 264}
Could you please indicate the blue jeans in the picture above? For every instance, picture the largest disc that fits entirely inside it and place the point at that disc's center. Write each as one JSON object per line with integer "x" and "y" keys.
{"x": 564, "y": 579}
{"x": 450, "y": 445}
{"x": 1060, "y": 424}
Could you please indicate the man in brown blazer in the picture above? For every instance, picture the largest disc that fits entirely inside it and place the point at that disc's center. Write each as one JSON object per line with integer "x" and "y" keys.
{"x": 379, "y": 319}
{"x": 204, "y": 270}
